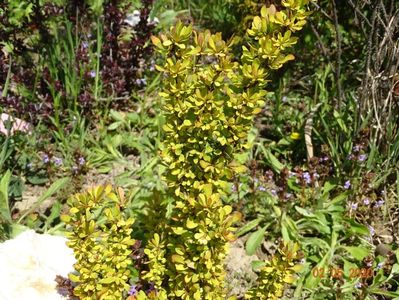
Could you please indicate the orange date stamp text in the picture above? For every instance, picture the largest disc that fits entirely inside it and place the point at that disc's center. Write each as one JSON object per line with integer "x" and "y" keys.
{"x": 338, "y": 273}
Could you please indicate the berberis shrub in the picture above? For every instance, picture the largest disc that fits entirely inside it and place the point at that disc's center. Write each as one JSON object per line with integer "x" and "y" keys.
{"x": 209, "y": 103}
{"x": 102, "y": 245}
{"x": 210, "y": 99}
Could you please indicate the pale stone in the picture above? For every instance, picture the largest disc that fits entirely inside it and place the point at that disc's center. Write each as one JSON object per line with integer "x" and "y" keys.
{"x": 133, "y": 19}
{"x": 17, "y": 125}
{"x": 29, "y": 264}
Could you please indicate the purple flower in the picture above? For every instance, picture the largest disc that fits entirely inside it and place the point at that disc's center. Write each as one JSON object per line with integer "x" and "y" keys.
{"x": 353, "y": 205}
{"x": 234, "y": 187}
{"x": 45, "y": 159}
{"x": 347, "y": 185}
{"x": 57, "y": 161}
{"x": 371, "y": 230}
{"x": 356, "y": 148}
{"x": 379, "y": 203}
{"x": 273, "y": 192}
{"x": 362, "y": 157}
{"x": 306, "y": 177}
{"x": 132, "y": 290}
{"x": 358, "y": 285}
{"x": 141, "y": 81}
{"x": 366, "y": 201}
{"x": 81, "y": 161}
{"x": 269, "y": 175}
{"x": 379, "y": 265}
{"x": 92, "y": 74}
{"x": 85, "y": 45}
{"x": 261, "y": 188}
{"x": 151, "y": 288}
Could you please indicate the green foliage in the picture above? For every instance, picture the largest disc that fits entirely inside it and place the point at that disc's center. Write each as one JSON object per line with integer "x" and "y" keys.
{"x": 156, "y": 256}
{"x": 19, "y": 10}
{"x": 100, "y": 237}
{"x": 275, "y": 273}
{"x": 210, "y": 101}
{"x": 55, "y": 187}
{"x": 5, "y": 212}
{"x": 10, "y": 227}
{"x": 332, "y": 227}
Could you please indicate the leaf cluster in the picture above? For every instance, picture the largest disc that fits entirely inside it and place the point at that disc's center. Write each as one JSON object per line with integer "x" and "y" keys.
{"x": 275, "y": 273}
{"x": 100, "y": 237}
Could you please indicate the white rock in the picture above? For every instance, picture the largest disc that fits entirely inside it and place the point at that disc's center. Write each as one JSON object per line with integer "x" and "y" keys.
{"x": 133, "y": 19}
{"x": 154, "y": 21}
{"x": 29, "y": 264}
{"x": 17, "y": 125}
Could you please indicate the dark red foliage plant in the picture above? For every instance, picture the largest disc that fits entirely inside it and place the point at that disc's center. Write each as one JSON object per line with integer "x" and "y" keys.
{"x": 35, "y": 84}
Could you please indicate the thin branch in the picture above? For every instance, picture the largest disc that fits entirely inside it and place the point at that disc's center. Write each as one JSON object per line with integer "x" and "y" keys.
{"x": 320, "y": 42}
{"x": 338, "y": 39}
{"x": 322, "y": 11}
{"x": 360, "y": 13}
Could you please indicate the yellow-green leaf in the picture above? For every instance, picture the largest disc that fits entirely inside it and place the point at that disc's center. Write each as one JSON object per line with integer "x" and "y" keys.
{"x": 191, "y": 224}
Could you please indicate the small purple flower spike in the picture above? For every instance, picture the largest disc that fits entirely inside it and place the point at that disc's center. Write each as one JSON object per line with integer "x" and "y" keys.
{"x": 132, "y": 290}
{"x": 379, "y": 203}
{"x": 57, "y": 161}
{"x": 234, "y": 188}
{"x": 45, "y": 159}
{"x": 353, "y": 206}
{"x": 347, "y": 185}
{"x": 262, "y": 188}
{"x": 306, "y": 177}
{"x": 81, "y": 161}
{"x": 371, "y": 229}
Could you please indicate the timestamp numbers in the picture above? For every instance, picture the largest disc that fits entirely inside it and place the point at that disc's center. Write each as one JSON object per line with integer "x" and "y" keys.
{"x": 338, "y": 273}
